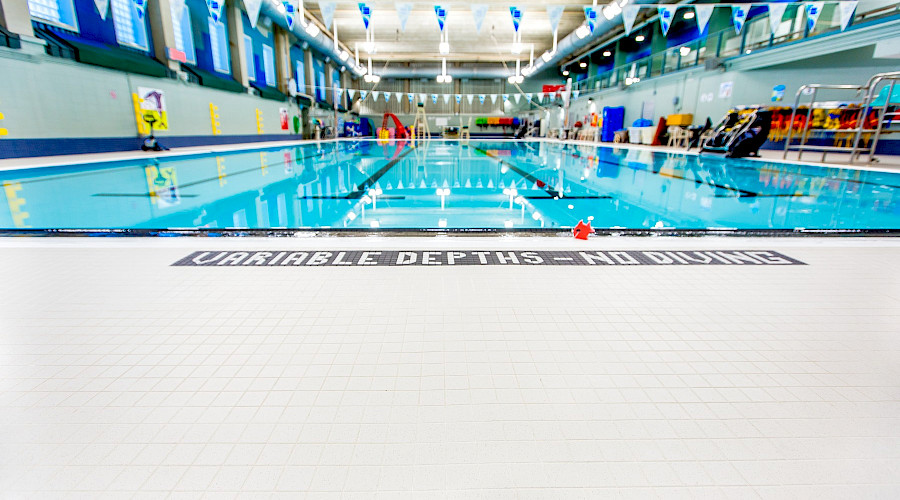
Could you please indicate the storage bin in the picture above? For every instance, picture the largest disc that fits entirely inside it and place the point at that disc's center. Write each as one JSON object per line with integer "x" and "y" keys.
{"x": 680, "y": 120}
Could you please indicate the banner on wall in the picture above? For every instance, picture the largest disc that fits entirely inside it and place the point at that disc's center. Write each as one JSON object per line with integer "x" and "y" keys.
{"x": 666, "y": 16}
{"x": 327, "y": 9}
{"x": 403, "y": 12}
{"x": 776, "y": 12}
{"x": 103, "y": 8}
{"x": 704, "y": 12}
{"x": 554, "y": 13}
{"x": 813, "y": 9}
{"x": 738, "y": 17}
{"x": 441, "y": 13}
{"x": 590, "y": 15}
{"x": 366, "y": 12}
{"x": 846, "y": 9}
{"x": 479, "y": 11}
{"x": 252, "y": 7}
{"x": 283, "y": 117}
{"x": 152, "y": 104}
{"x": 629, "y": 14}
{"x": 516, "y": 14}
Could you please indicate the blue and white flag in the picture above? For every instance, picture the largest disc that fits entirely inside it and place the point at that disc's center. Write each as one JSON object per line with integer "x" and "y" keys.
{"x": 516, "y": 14}
{"x": 441, "y": 13}
{"x": 215, "y": 9}
{"x": 375, "y": 95}
{"x": 776, "y": 12}
{"x": 410, "y": 97}
{"x": 458, "y": 98}
{"x": 366, "y": 12}
{"x": 387, "y": 97}
{"x": 846, "y": 10}
{"x": 666, "y": 16}
{"x": 434, "y": 98}
{"x": 139, "y": 7}
{"x": 704, "y": 12}
{"x": 629, "y": 14}
{"x": 290, "y": 10}
{"x": 554, "y": 13}
{"x": 505, "y": 97}
{"x": 481, "y": 98}
{"x": 363, "y": 94}
{"x": 528, "y": 96}
{"x": 403, "y": 11}
{"x": 470, "y": 97}
{"x": 446, "y": 98}
{"x": 478, "y": 12}
{"x": 590, "y": 15}
{"x": 252, "y": 7}
{"x": 351, "y": 93}
{"x": 813, "y": 9}
{"x": 327, "y": 9}
{"x": 103, "y": 7}
{"x": 739, "y": 17}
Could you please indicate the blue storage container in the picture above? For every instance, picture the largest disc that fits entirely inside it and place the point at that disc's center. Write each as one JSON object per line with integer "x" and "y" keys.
{"x": 613, "y": 120}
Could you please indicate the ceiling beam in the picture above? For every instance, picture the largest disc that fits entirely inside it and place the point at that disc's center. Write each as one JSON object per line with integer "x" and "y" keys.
{"x": 453, "y": 57}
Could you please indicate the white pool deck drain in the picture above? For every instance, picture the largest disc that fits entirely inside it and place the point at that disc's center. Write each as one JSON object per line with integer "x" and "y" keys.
{"x": 122, "y": 376}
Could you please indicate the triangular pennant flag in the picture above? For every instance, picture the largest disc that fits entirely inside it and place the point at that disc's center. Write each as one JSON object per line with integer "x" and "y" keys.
{"x": 215, "y": 9}
{"x": 403, "y": 11}
{"x": 575, "y": 93}
{"x": 666, "y": 16}
{"x": 481, "y": 98}
{"x": 446, "y": 98}
{"x": 441, "y": 13}
{"x": 290, "y": 10}
{"x": 411, "y": 97}
{"x": 738, "y": 17}
{"x": 478, "y": 12}
{"x": 423, "y": 97}
{"x": 363, "y": 94}
{"x": 541, "y": 96}
{"x": 554, "y": 12}
{"x": 252, "y": 7}
{"x": 813, "y": 9}
{"x": 517, "y": 97}
{"x": 340, "y": 93}
{"x": 703, "y": 14}
{"x": 528, "y": 96}
{"x": 139, "y": 6}
{"x": 776, "y": 12}
{"x": 458, "y": 98}
{"x": 470, "y": 97}
{"x": 327, "y": 9}
{"x": 590, "y": 16}
{"x": 434, "y": 98}
{"x": 516, "y": 14}
{"x": 494, "y": 98}
{"x": 351, "y": 93}
{"x": 376, "y": 94}
{"x": 505, "y": 97}
{"x": 629, "y": 14}
{"x": 103, "y": 7}
{"x": 846, "y": 9}
{"x": 366, "y": 12}
{"x": 387, "y": 97}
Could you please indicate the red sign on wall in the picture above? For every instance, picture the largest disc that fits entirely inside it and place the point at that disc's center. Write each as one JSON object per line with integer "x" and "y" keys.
{"x": 552, "y": 89}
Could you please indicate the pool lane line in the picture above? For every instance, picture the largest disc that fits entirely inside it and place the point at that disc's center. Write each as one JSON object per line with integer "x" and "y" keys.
{"x": 364, "y": 185}
{"x": 530, "y": 178}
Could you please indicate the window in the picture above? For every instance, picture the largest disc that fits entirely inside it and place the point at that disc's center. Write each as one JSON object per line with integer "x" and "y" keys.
{"x": 130, "y": 24}
{"x": 319, "y": 68}
{"x": 269, "y": 65}
{"x": 184, "y": 37}
{"x": 301, "y": 76}
{"x": 248, "y": 55}
{"x": 57, "y": 12}
{"x": 218, "y": 42}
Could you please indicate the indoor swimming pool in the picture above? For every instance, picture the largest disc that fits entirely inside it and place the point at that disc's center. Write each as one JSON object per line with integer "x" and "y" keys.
{"x": 491, "y": 185}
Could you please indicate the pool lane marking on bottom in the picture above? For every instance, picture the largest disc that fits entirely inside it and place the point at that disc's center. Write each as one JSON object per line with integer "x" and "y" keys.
{"x": 528, "y": 177}
{"x": 361, "y": 188}
{"x": 400, "y": 258}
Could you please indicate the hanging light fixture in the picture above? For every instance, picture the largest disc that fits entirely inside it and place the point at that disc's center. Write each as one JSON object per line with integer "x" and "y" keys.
{"x": 444, "y": 77}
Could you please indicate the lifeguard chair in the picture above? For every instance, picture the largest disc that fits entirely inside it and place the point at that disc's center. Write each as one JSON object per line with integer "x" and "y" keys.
{"x": 420, "y": 124}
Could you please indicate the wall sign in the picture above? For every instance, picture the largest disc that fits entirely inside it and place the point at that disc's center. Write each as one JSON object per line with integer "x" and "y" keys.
{"x": 339, "y": 258}
{"x": 725, "y": 89}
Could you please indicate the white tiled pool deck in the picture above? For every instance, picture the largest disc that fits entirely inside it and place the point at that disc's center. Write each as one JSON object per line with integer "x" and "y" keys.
{"x": 124, "y": 377}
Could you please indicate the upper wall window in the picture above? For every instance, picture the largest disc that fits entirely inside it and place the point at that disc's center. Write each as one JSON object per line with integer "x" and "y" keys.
{"x": 251, "y": 63}
{"x": 130, "y": 24}
{"x": 218, "y": 41}
{"x": 57, "y": 12}
{"x": 301, "y": 76}
{"x": 184, "y": 37}
{"x": 269, "y": 65}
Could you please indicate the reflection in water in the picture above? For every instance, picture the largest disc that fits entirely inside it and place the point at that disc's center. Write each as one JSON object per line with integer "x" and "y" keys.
{"x": 490, "y": 184}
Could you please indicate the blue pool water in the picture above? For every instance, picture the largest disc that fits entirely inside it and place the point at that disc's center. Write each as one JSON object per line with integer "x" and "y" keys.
{"x": 487, "y": 184}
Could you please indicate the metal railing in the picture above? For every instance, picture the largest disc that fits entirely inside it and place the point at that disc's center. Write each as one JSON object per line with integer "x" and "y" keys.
{"x": 756, "y": 35}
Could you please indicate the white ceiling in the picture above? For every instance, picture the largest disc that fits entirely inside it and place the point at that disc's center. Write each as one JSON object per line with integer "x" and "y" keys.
{"x": 419, "y": 42}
